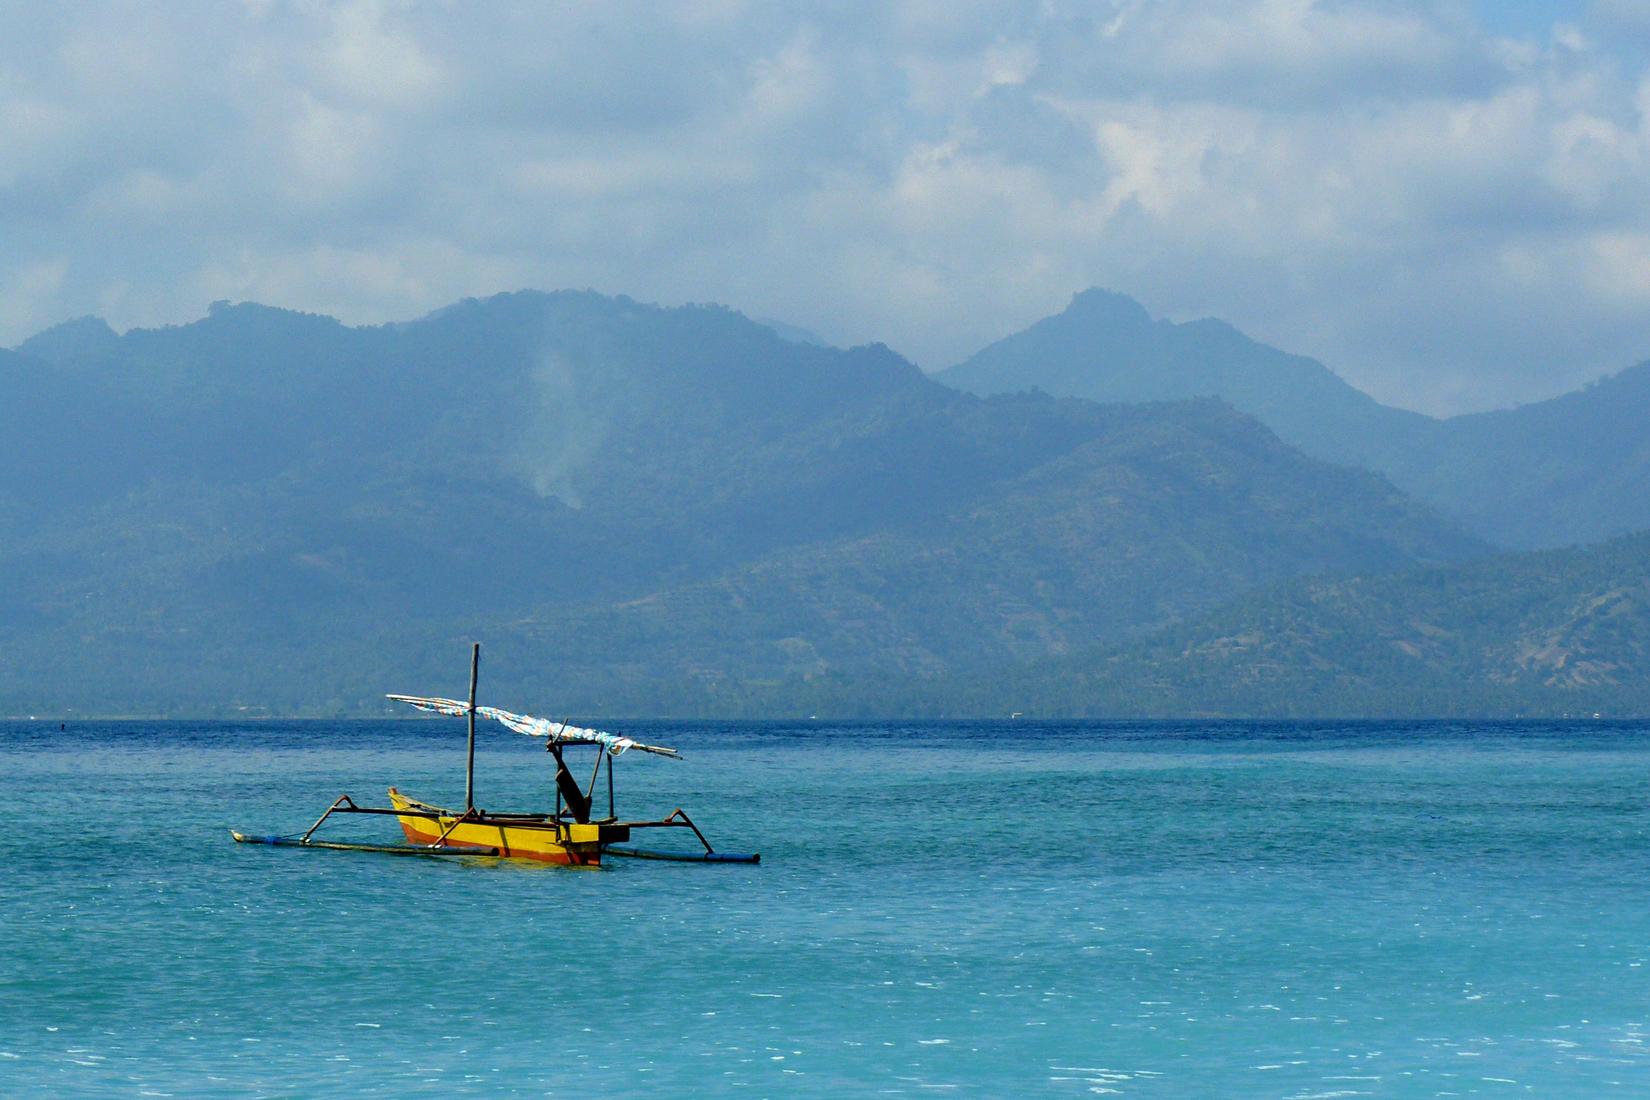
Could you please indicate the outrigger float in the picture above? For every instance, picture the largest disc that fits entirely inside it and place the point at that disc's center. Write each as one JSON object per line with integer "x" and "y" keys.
{"x": 567, "y": 836}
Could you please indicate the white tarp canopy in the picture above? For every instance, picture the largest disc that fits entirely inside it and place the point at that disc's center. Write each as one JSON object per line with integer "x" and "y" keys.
{"x": 533, "y": 727}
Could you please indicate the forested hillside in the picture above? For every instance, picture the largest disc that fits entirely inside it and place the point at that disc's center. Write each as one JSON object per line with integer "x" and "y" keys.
{"x": 1541, "y": 633}
{"x": 642, "y": 509}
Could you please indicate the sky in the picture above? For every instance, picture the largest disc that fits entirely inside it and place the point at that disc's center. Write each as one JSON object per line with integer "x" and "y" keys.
{"x": 1447, "y": 202}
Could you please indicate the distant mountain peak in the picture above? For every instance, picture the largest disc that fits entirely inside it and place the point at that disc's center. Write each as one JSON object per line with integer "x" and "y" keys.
{"x": 239, "y": 313}
{"x": 1567, "y": 469}
{"x": 1108, "y": 307}
{"x": 80, "y": 338}
{"x": 1106, "y": 347}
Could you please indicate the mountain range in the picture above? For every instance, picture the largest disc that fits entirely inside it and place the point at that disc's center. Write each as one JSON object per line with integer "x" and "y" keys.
{"x": 1569, "y": 470}
{"x": 1551, "y": 632}
{"x": 682, "y": 511}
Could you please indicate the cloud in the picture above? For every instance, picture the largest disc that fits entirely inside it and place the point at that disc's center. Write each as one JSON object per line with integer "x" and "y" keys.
{"x": 1283, "y": 54}
{"x": 1451, "y": 213}
{"x": 26, "y": 286}
{"x": 1629, "y": 17}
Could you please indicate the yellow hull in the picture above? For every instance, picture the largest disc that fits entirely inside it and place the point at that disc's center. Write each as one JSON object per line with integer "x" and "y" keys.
{"x": 513, "y": 836}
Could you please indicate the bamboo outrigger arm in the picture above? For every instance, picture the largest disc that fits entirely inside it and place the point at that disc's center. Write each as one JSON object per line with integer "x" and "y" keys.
{"x": 676, "y": 818}
{"x": 346, "y": 805}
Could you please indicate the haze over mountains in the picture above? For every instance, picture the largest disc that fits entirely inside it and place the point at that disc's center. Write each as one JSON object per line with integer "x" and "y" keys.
{"x": 1569, "y": 470}
{"x": 681, "y": 511}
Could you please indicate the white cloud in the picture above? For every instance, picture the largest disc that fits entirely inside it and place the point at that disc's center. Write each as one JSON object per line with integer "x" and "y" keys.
{"x": 376, "y": 63}
{"x": 1620, "y": 269}
{"x": 1300, "y": 41}
{"x": 353, "y": 282}
{"x": 30, "y": 292}
{"x": 1450, "y": 215}
{"x": 330, "y": 152}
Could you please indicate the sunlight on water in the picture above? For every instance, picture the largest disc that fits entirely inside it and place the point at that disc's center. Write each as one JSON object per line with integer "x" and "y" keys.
{"x": 1072, "y": 910}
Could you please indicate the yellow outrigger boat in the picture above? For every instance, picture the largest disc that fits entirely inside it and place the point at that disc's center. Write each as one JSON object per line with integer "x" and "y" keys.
{"x": 568, "y": 835}
{"x": 513, "y": 836}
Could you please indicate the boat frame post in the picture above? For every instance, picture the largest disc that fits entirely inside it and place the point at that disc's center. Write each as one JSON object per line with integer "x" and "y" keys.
{"x": 470, "y": 757}
{"x": 595, "y": 774}
{"x": 460, "y": 819}
{"x": 343, "y": 802}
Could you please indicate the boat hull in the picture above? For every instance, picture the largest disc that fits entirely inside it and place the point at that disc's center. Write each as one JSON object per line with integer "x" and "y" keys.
{"x": 513, "y": 837}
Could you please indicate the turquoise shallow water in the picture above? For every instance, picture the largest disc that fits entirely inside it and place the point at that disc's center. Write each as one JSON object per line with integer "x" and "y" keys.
{"x": 1143, "y": 910}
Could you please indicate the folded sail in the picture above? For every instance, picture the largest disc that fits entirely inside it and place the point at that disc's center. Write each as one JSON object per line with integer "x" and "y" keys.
{"x": 533, "y": 727}
{"x": 450, "y": 707}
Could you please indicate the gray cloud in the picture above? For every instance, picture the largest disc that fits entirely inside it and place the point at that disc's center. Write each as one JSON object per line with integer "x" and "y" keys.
{"x": 1452, "y": 215}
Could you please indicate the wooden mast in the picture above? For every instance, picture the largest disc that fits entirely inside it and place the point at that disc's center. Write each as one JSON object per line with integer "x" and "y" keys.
{"x": 470, "y": 758}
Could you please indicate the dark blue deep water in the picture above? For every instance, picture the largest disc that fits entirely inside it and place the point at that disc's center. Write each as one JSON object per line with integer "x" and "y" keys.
{"x": 1142, "y": 910}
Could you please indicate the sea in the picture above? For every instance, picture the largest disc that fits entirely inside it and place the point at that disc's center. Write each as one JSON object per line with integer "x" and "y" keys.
{"x": 1014, "y": 908}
